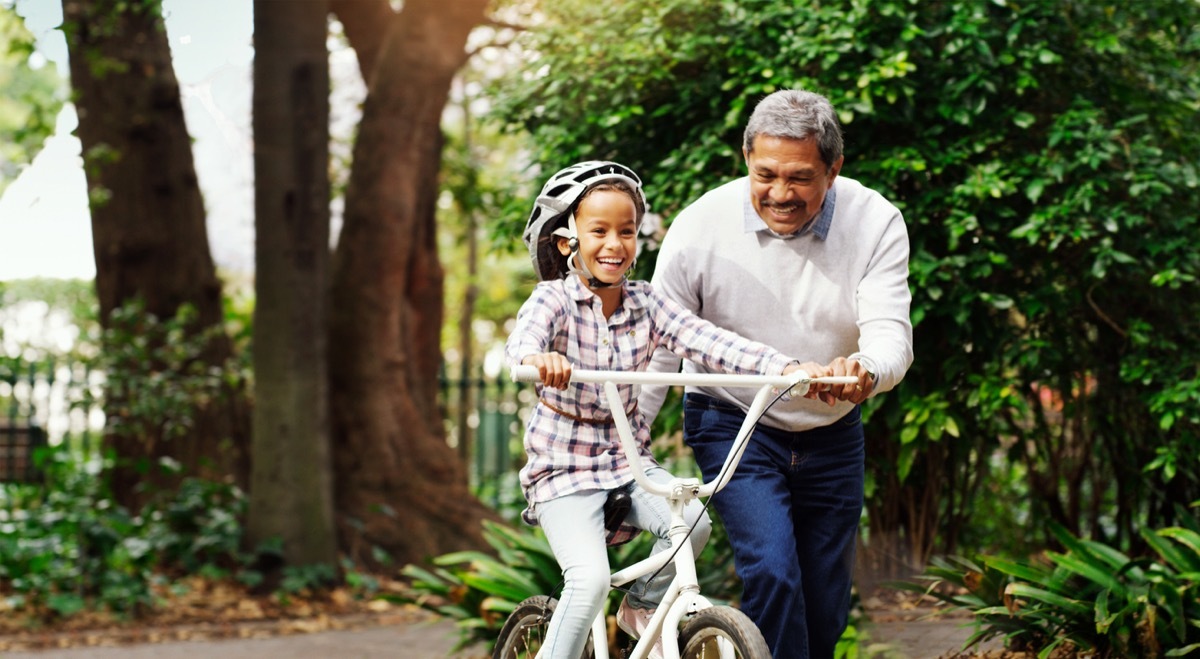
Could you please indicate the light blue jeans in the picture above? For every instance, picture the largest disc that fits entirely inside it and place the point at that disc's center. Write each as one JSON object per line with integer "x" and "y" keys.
{"x": 574, "y": 525}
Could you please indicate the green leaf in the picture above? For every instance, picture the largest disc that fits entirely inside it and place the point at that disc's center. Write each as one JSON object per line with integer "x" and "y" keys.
{"x": 1094, "y": 570}
{"x": 1068, "y": 605}
{"x": 1018, "y": 570}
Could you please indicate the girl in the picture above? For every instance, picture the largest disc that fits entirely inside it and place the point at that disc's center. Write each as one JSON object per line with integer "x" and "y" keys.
{"x": 582, "y": 238}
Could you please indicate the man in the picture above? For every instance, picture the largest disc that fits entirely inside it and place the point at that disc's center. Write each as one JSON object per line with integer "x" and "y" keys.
{"x": 813, "y": 264}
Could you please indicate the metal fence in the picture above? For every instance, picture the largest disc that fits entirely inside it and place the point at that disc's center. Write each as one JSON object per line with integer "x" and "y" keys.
{"x": 51, "y": 403}
{"x": 482, "y": 415}
{"x": 45, "y": 402}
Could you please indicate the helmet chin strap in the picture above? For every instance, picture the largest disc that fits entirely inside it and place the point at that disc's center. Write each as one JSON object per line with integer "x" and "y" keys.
{"x": 571, "y": 233}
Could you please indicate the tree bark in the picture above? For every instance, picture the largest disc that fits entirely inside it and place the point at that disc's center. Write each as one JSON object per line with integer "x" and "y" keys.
{"x": 398, "y": 486}
{"x": 292, "y": 492}
{"x": 148, "y": 227}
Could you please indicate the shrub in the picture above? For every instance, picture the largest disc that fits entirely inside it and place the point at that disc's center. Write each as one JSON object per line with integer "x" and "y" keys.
{"x": 1090, "y": 597}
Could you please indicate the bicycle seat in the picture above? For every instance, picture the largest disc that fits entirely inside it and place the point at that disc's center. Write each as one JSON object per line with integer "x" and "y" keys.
{"x": 616, "y": 508}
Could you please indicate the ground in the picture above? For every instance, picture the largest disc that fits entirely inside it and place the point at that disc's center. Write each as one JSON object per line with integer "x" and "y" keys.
{"x": 200, "y": 608}
{"x": 899, "y": 625}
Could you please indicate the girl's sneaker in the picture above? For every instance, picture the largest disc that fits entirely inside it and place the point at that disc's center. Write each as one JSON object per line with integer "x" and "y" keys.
{"x": 634, "y": 621}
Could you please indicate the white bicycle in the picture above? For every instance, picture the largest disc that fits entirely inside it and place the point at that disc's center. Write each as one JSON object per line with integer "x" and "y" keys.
{"x": 708, "y": 630}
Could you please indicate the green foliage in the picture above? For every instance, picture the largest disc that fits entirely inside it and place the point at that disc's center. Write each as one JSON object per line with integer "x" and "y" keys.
{"x": 1043, "y": 154}
{"x": 479, "y": 590}
{"x": 66, "y": 547}
{"x": 33, "y": 95}
{"x": 1090, "y": 596}
{"x": 157, "y": 372}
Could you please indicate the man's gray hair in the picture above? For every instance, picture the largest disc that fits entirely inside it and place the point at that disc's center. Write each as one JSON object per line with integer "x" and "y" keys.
{"x": 798, "y": 115}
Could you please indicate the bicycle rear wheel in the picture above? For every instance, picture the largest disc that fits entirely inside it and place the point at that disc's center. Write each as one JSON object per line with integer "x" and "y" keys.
{"x": 525, "y": 630}
{"x": 723, "y": 632}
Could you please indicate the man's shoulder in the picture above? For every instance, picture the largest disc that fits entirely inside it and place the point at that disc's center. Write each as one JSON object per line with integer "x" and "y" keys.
{"x": 730, "y": 191}
{"x": 852, "y": 193}
{"x": 719, "y": 207}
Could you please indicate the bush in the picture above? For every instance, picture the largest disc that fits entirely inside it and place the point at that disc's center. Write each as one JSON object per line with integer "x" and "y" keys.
{"x": 66, "y": 546}
{"x": 1091, "y": 598}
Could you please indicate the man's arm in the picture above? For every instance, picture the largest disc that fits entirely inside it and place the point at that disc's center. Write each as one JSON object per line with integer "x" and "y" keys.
{"x": 885, "y": 344}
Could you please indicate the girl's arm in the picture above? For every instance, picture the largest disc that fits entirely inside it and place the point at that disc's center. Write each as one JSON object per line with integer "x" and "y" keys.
{"x": 532, "y": 337}
{"x": 691, "y": 337}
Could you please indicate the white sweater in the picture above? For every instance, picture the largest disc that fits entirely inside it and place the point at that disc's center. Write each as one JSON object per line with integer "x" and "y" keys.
{"x": 845, "y": 295}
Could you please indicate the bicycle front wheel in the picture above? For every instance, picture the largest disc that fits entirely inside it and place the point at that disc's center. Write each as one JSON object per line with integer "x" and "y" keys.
{"x": 525, "y": 630}
{"x": 723, "y": 632}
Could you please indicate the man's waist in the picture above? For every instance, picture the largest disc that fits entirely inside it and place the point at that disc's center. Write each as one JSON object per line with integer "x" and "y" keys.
{"x": 798, "y": 415}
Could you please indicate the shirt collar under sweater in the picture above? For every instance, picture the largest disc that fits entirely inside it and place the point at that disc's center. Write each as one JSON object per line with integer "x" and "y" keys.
{"x": 819, "y": 225}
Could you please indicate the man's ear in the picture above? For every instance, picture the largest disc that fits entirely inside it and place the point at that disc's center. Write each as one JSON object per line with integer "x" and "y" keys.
{"x": 836, "y": 169}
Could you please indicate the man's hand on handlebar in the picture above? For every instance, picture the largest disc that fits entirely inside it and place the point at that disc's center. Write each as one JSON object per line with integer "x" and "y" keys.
{"x": 831, "y": 393}
{"x": 553, "y": 369}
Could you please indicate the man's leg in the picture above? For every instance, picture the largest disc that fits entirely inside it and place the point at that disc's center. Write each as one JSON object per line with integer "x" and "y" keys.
{"x": 827, "y": 500}
{"x": 755, "y": 508}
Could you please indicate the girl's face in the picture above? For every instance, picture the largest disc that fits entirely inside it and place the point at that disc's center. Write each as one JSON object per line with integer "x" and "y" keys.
{"x": 607, "y": 224}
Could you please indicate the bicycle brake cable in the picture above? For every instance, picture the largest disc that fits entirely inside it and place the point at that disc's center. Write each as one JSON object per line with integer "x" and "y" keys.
{"x": 704, "y": 507}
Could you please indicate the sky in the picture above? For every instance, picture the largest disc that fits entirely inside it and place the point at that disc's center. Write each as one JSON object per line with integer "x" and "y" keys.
{"x": 45, "y": 229}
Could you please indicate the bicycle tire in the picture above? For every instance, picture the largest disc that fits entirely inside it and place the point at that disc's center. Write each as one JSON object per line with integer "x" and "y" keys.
{"x": 525, "y": 629}
{"x": 724, "y": 632}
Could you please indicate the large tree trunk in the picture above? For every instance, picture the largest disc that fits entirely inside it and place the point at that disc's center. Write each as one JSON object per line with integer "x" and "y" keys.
{"x": 291, "y": 488}
{"x": 398, "y": 485}
{"x": 148, "y": 227}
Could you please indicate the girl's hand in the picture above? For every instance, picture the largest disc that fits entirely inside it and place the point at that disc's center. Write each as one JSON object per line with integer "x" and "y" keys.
{"x": 553, "y": 368}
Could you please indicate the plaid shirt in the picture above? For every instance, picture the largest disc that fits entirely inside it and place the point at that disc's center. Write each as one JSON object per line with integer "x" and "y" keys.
{"x": 565, "y": 455}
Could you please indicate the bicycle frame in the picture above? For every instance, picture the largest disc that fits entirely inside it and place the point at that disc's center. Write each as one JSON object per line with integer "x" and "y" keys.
{"x": 683, "y": 596}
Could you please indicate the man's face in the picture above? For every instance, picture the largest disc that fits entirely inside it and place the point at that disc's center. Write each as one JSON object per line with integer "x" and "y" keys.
{"x": 788, "y": 181}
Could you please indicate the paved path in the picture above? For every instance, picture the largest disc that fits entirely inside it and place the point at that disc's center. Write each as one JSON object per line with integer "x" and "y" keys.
{"x": 427, "y": 639}
{"x": 892, "y": 634}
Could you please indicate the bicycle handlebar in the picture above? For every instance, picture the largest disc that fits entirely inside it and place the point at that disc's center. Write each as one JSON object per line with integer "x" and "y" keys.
{"x": 530, "y": 374}
{"x": 610, "y": 379}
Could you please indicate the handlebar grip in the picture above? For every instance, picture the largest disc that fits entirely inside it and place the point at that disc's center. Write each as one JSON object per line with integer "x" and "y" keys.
{"x": 523, "y": 373}
{"x": 836, "y": 379}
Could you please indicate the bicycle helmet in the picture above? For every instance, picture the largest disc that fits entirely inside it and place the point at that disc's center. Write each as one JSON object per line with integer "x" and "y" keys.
{"x": 557, "y": 202}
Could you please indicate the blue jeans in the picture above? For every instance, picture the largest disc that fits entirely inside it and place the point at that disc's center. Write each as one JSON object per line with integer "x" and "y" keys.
{"x": 791, "y": 511}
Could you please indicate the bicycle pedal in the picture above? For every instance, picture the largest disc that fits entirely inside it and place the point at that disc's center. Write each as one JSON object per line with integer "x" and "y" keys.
{"x": 616, "y": 509}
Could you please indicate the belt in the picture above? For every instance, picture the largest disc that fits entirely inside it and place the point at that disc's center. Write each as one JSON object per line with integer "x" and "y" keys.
{"x": 579, "y": 419}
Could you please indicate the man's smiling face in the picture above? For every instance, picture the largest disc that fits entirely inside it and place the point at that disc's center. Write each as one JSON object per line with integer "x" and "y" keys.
{"x": 788, "y": 181}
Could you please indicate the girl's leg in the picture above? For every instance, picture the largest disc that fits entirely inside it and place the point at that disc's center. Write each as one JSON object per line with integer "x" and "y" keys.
{"x": 574, "y": 526}
{"x": 651, "y": 513}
